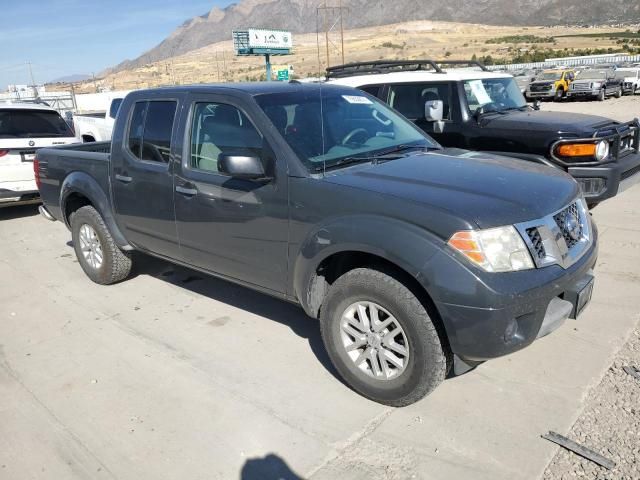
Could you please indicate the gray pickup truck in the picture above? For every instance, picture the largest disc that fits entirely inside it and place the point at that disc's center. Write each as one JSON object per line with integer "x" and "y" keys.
{"x": 417, "y": 260}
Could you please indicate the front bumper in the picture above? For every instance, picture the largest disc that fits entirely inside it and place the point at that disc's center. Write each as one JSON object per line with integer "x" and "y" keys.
{"x": 616, "y": 177}
{"x": 583, "y": 93}
{"x": 544, "y": 94}
{"x": 504, "y": 313}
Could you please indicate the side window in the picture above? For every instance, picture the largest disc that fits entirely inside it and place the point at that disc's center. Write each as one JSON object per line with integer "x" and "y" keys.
{"x": 218, "y": 128}
{"x": 158, "y": 125}
{"x": 135, "y": 128}
{"x": 115, "y": 106}
{"x": 410, "y": 99}
{"x": 372, "y": 89}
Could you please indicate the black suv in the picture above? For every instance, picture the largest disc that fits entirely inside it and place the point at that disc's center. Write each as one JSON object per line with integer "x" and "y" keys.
{"x": 477, "y": 109}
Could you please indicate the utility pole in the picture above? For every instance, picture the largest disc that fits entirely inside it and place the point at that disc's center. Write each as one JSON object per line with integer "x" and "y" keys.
{"x": 218, "y": 66}
{"x": 326, "y": 10}
{"x": 33, "y": 82}
{"x": 224, "y": 65}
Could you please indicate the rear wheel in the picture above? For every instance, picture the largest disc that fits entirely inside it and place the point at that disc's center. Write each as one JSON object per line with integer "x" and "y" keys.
{"x": 97, "y": 253}
{"x": 381, "y": 339}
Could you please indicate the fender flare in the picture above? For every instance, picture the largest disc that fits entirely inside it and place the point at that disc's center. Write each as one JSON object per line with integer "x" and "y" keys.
{"x": 405, "y": 245}
{"x": 83, "y": 184}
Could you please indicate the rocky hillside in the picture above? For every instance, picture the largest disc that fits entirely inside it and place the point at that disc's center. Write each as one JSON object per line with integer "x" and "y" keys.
{"x": 300, "y": 16}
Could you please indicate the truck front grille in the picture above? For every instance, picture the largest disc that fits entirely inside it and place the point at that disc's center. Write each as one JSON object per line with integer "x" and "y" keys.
{"x": 561, "y": 238}
{"x": 568, "y": 221}
{"x": 580, "y": 87}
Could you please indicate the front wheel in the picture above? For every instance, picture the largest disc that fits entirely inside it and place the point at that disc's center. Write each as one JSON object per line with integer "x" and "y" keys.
{"x": 559, "y": 95}
{"x": 381, "y": 339}
{"x": 602, "y": 95}
{"x": 618, "y": 93}
{"x": 98, "y": 255}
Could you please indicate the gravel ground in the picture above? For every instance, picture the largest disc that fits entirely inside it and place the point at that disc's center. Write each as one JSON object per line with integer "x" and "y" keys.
{"x": 622, "y": 109}
{"x": 609, "y": 425}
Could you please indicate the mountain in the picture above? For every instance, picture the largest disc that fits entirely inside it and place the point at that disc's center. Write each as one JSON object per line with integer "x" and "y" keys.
{"x": 76, "y": 77}
{"x": 299, "y": 16}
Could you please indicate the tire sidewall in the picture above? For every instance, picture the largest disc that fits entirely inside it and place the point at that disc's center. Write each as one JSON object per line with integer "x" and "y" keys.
{"x": 416, "y": 372}
{"x": 80, "y": 218}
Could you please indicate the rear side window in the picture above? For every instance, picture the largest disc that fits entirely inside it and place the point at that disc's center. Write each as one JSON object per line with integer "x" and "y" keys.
{"x": 150, "y": 130}
{"x": 410, "y": 99}
{"x": 16, "y": 123}
{"x": 115, "y": 106}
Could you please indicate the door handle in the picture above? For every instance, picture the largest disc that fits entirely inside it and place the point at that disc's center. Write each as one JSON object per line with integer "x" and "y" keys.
{"x": 123, "y": 178}
{"x": 190, "y": 192}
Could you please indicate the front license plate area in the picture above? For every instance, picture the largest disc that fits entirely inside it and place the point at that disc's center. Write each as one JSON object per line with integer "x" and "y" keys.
{"x": 580, "y": 295}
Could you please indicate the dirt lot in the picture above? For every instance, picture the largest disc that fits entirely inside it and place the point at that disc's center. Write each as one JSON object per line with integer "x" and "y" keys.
{"x": 173, "y": 375}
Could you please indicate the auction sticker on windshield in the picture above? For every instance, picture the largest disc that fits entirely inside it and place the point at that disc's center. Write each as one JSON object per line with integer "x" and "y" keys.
{"x": 477, "y": 87}
{"x": 357, "y": 99}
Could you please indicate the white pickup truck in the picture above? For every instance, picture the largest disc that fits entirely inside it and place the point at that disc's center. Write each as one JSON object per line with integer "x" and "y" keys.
{"x": 24, "y": 128}
{"x": 97, "y": 127}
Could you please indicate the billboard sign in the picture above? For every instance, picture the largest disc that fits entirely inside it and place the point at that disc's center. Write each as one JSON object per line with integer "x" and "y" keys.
{"x": 278, "y": 39}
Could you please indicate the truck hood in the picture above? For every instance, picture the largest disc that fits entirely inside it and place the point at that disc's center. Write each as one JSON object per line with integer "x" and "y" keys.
{"x": 539, "y": 121}
{"x": 486, "y": 190}
{"x": 543, "y": 82}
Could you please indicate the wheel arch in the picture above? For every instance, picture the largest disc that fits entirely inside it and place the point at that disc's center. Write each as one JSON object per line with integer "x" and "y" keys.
{"x": 80, "y": 189}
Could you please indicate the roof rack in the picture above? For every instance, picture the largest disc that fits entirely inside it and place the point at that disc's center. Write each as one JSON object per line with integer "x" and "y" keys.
{"x": 388, "y": 66}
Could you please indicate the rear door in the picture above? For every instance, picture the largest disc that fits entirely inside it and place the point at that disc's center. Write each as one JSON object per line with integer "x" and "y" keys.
{"x": 142, "y": 176}
{"x": 22, "y": 132}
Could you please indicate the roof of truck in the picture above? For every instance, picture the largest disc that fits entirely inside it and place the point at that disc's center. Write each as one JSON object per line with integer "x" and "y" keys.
{"x": 418, "y": 76}
{"x": 251, "y": 88}
{"x": 24, "y": 106}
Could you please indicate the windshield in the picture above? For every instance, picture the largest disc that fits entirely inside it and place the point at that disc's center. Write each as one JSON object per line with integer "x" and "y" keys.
{"x": 347, "y": 125}
{"x": 550, "y": 76}
{"x": 32, "y": 123}
{"x": 493, "y": 94}
{"x": 593, "y": 75}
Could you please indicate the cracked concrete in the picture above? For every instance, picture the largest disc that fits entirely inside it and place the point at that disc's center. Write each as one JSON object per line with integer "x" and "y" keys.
{"x": 161, "y": 378}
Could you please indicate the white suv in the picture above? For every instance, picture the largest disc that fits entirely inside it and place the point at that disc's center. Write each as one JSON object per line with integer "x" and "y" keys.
{"x": 24, "y": 128}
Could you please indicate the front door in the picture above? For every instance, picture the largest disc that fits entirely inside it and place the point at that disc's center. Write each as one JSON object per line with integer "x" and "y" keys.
{"x": 234, "y": 227}
{"x": 142, "y": 178}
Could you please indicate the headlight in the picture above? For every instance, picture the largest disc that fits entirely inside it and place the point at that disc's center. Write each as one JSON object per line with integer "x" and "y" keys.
{"x": 494, "y": 250}
{"x": 584, "y": 151}
{"x": 602, "y": 150}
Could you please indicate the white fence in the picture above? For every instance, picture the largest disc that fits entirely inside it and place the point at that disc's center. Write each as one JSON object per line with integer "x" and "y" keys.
{"x": 570, "y": 62}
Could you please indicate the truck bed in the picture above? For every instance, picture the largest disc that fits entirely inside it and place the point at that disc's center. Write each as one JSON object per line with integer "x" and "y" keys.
{"x": 58, "y": 163}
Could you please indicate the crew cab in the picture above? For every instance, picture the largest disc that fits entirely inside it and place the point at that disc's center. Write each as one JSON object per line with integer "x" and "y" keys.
{"x": 416, "y": 259}
{"x": 485, "y": 111}
{"x": 550, "y": 84}
{"x": 596, "y": 83}
{"x": 97, "y": 127}
{"x": 25, "y": 127}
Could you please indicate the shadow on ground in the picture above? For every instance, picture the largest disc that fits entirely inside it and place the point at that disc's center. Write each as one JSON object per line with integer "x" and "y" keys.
{"x": 270, "y": 467}
{"x": 10, "y": 212}
{"x": 240, "y": 297}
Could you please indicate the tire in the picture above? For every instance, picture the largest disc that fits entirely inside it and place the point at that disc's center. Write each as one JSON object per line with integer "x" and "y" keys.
{"x": 559, "y": 95}
{"x": 602, "y": 95}
{"x": 425, "y": 364}
{"x": 618, "y": 94}
{"x": 114, "y": 265}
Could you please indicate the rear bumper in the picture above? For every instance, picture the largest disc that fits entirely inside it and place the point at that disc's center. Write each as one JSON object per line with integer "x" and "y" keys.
{"x": 519, "y": 307}
{"x": 18, "y": 197}
{"x": 617, "y": 176}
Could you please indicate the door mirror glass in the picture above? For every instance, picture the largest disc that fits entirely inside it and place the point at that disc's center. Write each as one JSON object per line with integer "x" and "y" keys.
{"x": 241, "y": 166}
{"x": 433, "y": 110}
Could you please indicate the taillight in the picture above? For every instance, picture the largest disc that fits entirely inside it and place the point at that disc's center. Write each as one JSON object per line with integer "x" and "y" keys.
{"x": 3, "y": 153}
{"x": 36, "y": 171}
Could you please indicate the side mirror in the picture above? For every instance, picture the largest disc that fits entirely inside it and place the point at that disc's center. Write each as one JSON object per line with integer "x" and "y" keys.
{"x": 536, "y": 105}
{"x": 433, "y": 110}
{"x": 241, "y": 166}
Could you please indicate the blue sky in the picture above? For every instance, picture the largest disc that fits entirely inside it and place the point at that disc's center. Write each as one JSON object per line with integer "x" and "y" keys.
{"x": 63, "y": 37}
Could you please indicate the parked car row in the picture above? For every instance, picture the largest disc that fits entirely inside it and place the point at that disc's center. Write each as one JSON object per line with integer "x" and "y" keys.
{"x": 485, "y": 111}
{"x": 419, "y": 258}
{"x": 599, "y": 82}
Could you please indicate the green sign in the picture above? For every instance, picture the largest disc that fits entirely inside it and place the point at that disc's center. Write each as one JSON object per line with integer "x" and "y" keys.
{"x": 283, "y": 75}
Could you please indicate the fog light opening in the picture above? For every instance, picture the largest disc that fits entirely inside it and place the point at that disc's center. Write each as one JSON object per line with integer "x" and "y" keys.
{"x": 511, "y": 332}
{"x": 592, "y": 187}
